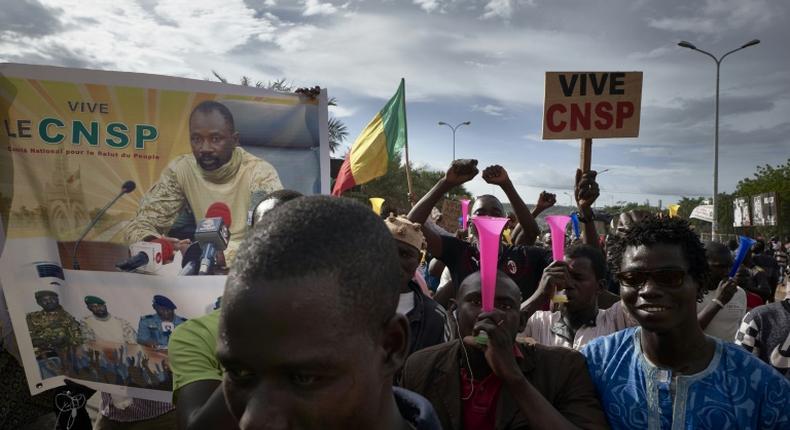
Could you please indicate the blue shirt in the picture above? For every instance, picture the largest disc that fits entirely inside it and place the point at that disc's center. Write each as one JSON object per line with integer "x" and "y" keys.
{"x": 735, "y": 391}
{"x": 152, "y": 328}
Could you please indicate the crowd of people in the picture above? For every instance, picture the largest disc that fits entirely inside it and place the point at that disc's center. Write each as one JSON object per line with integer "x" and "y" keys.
{"x": 327, "y": 322}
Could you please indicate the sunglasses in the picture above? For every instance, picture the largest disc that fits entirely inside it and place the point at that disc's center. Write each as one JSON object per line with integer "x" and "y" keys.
{"x": 672, "y": 278}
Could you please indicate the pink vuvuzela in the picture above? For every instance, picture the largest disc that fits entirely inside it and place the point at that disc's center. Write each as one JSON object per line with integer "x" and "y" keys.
{"x": 557, "y": 224}
{"x": 489, "y": 230}
{"x": 464, "y": 213}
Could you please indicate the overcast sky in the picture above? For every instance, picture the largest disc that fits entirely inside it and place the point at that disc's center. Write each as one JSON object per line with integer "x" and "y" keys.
{"x": 466, "y": 60}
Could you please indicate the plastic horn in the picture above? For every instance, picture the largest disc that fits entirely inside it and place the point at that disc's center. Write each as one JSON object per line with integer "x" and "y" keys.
{"x": 464, "y": 213}
{"x": 489, "y": 230}
{"x": 557, "y": 224}
{"x": 376, "y": 202}
{"x": 744, "y": 245}
{"x": 575, "y": 221}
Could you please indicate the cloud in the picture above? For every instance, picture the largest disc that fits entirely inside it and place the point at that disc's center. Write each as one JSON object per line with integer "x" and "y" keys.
{"x": 489, "y": 109}
{"x": 685, "y": 24}
{"x": 428, "y": 5}
{"x": 29, "y": 18}
{"x": 545, "y": 176}
{"x": 315, "y": 7}
{"x": 650, "y": 151}
{"x": 342, "y": 111}
{"x": 295, "y": 38}
{"x": 716, "y": 16}
{"x": 498, "y": 9}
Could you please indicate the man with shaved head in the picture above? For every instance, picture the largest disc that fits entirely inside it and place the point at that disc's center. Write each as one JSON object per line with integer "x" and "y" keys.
{"x": 309, "y": 336}
{"x": 501, "y": 384}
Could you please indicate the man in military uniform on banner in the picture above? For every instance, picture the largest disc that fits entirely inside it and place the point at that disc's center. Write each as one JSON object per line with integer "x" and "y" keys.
{"x": 154, "y": 330}
{"x": 53, "y": 332}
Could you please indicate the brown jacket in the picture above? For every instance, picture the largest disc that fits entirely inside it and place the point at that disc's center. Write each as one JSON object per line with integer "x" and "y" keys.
{"x": 560, "y": 374}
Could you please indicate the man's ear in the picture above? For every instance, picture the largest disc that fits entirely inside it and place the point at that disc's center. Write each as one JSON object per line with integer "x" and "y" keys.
{"x": 453, "y": 305}
{"x": 235, "y": 138}
{"x": 603, "y": 284}
{"x": 395, "y": 343}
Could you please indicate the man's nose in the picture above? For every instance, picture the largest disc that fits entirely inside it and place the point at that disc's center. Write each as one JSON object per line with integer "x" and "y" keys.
{"x": 651, "y": 289}
{"x": 205, "y": 146}
{"x": 265, "y": 410}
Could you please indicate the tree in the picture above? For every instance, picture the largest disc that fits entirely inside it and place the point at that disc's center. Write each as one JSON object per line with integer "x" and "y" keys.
{"x": 337, "y": 129}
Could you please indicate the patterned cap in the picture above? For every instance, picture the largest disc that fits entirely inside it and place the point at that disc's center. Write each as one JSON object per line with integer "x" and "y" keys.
{"x": 405, "y": 231}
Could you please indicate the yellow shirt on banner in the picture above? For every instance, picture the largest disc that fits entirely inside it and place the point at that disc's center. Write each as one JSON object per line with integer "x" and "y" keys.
{"x": 183, "y": 181}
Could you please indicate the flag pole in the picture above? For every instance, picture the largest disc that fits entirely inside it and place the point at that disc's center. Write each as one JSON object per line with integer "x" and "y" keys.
{"x": 406, "y": 145}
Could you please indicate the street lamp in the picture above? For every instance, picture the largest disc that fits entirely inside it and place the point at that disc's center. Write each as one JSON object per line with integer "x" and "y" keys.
{"x": 684, "y": 44}
{"x": 453, "y": 129}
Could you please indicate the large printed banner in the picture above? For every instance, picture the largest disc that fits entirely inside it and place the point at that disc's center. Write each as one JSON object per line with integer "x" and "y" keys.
{"x": 69, "y": 139}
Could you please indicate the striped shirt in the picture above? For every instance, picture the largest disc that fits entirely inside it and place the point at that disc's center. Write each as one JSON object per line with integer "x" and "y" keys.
{"x": 127, "y": 409}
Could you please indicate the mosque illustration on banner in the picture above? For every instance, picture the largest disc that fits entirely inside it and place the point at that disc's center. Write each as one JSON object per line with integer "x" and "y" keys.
{"x": 64, "y": 200}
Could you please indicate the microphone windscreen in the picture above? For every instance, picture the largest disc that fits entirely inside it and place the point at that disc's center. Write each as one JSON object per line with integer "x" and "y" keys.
{"x": 219, "y": 210}
{"x": 167, "y": 249}
{"x": 128, "y": 187}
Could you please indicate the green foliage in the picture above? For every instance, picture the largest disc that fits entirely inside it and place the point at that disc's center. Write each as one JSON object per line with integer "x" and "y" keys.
{"x": 392, "y": 187}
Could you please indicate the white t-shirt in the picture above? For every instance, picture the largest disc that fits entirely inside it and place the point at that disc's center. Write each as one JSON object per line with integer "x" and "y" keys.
{"x": 607, "y": 321}
{"x": 726, "y": 322}
{"x": 405, "y": 303}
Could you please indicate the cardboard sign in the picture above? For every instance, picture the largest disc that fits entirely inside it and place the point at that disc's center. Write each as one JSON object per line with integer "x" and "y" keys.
{"x": 770, "y": 215}
{"x": 592, "y": 104}
{"x": 741, "y": 214}
{"x": 451, "y": 211}
{"x": 757, "y": 210}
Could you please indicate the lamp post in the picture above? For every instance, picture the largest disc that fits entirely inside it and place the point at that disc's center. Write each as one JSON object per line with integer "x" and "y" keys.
{"x": 684, "y": 44}
{"x": 453, "y": 129}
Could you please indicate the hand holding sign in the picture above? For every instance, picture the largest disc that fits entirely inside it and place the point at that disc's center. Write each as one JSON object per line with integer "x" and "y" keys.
{"x": 461, "y": 171}
{"x": 586, "y": 190}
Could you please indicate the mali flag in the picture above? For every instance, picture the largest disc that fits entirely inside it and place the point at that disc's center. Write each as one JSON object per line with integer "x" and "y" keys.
{"x": 376, "y": 145}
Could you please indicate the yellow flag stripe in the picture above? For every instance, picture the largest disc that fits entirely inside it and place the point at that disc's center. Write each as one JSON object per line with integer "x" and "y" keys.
{"x": 369, "y": 154}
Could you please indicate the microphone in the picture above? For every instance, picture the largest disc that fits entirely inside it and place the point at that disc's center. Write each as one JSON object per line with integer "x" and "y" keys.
{"x": 126, "y": 188}
{"x": 148, "y": 256}
{"x": 190, "y": 260}
{"x": 213, "y": 235}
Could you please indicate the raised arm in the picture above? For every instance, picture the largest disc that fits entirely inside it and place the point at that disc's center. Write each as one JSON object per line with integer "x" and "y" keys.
{"x": 460, "y": 171}
{"x": 497, "y": 175}
{"x": 723, "y": 295}
{"x": 545, "y": 201}
{"x": 586, "y": 192}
